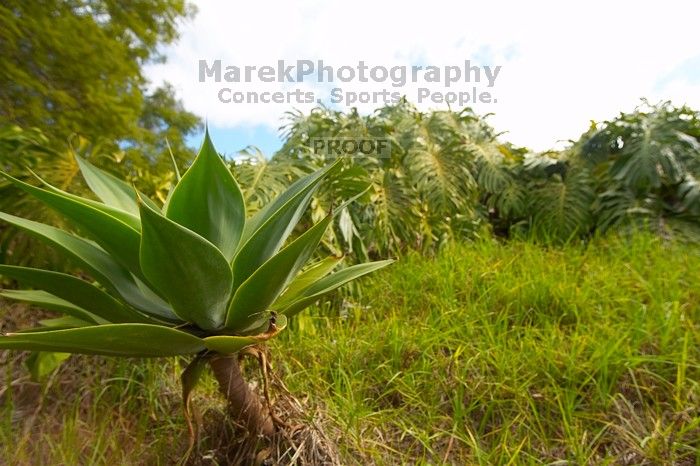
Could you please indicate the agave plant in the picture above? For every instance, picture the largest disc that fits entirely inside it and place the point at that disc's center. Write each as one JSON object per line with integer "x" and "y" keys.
{"x": 195, "y": 277}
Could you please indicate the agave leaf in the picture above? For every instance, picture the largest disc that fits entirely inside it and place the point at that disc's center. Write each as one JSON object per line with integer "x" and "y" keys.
{"x": 209, "y": 202}
{"x": 59, "y": 323}
{"x": 328, "y": 284}
{"x": 305, "y": 279}
{"x": 145, "y": 301}
{"x": 127, "y": 340}
{"x": 266, "y": 231}
{"x": 116, "y": 237}
{"x": 259, "y": 291}
{"x": 110, "y": 189}
{"x": 76, "y": 291}
{"x": 48, "y": 301}
{"x": 315, "y": 273}
{"x": 227, "y": 344}
{"x": 126, "y": 217}
{"x": 63, "y": 322}
{"x": 173, "y": 161}
{"x": 97, "y": 263}
{"x": 187, "y": 269}
{"x": 299, "y": 188}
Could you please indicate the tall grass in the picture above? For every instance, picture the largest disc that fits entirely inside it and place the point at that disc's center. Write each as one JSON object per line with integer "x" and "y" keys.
{"x": 493, "y": 354}
{"x": 486, "y": 354}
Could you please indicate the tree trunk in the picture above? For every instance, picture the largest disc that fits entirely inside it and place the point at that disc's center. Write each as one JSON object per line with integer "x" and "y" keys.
{"x": 244, "y": 405}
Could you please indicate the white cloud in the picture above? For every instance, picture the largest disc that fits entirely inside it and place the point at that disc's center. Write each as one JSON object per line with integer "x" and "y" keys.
{"x": 563, "y": 63}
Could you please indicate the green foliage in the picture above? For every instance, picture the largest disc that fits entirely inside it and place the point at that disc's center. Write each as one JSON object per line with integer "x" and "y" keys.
{"x": 28, "y": 154}
{"x": 489, "y": 353}
{"x": 193, "y": 276}
{"x": 561, "y": 205}
{"x": 75, "y": 68}
{"x": 637, "y": 171}
{"x": 19, "y": 150}
{"x": 647, "y": 164}
{"x": 449, "y": 177}
{"x": 422, "y": 194}
{"x": 495, "y": 353}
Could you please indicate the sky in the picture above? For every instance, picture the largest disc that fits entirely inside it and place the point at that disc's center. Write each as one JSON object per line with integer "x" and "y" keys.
{"x": 562, "y": 64}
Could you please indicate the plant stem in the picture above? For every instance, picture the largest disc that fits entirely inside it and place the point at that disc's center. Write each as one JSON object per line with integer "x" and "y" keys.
{"x": 244, "y": 405}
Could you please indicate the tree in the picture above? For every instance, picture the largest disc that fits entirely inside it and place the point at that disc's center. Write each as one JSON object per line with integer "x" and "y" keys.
{"x": 75, "y": 68}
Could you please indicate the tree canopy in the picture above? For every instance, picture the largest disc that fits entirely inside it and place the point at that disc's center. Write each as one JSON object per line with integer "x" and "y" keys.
{"x": 76, "y": 68}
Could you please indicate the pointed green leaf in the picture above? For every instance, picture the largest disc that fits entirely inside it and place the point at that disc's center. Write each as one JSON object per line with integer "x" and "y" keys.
{"x": 166, "y": 204}
{"x": 48, "y": 301}
{"x": 185, "y": 268}
{"x": 110, "y": 189}
{"x": 94, "y": 259}
{"x": 63, "y": 323}
{"x": 305, "y": 279}
{"x": 141, "y": 297}
{"x": 299, "y": 188}
{"x": 227, "y": 344}
{"x": 209, "y": 202}
{"x": 173, "y": 161}
{"x": 126, "y": 217}
{"x": 330, "y": 283}
{"x": 97, "y": 263}
{"x": 257, "y": 293}
{"x": 322, "y": 268}
{"x": 128, "y": 340}
{"x": 266, "y": 231}
{"x": 76, "y": 291}
{"x": 58, "y": 323}
{"x": 116, "y": 237}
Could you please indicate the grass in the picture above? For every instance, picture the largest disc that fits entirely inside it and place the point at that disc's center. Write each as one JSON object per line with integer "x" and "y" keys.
{"x": 486, "y": 354}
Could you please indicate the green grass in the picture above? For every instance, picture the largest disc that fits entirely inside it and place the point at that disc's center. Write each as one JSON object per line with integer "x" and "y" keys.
{"x": 487, "y": 354}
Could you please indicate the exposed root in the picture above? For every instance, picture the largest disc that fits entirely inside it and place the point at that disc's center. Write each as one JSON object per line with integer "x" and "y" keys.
{"x": 299, "y": 437}
{"x": 304, "y": 439}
